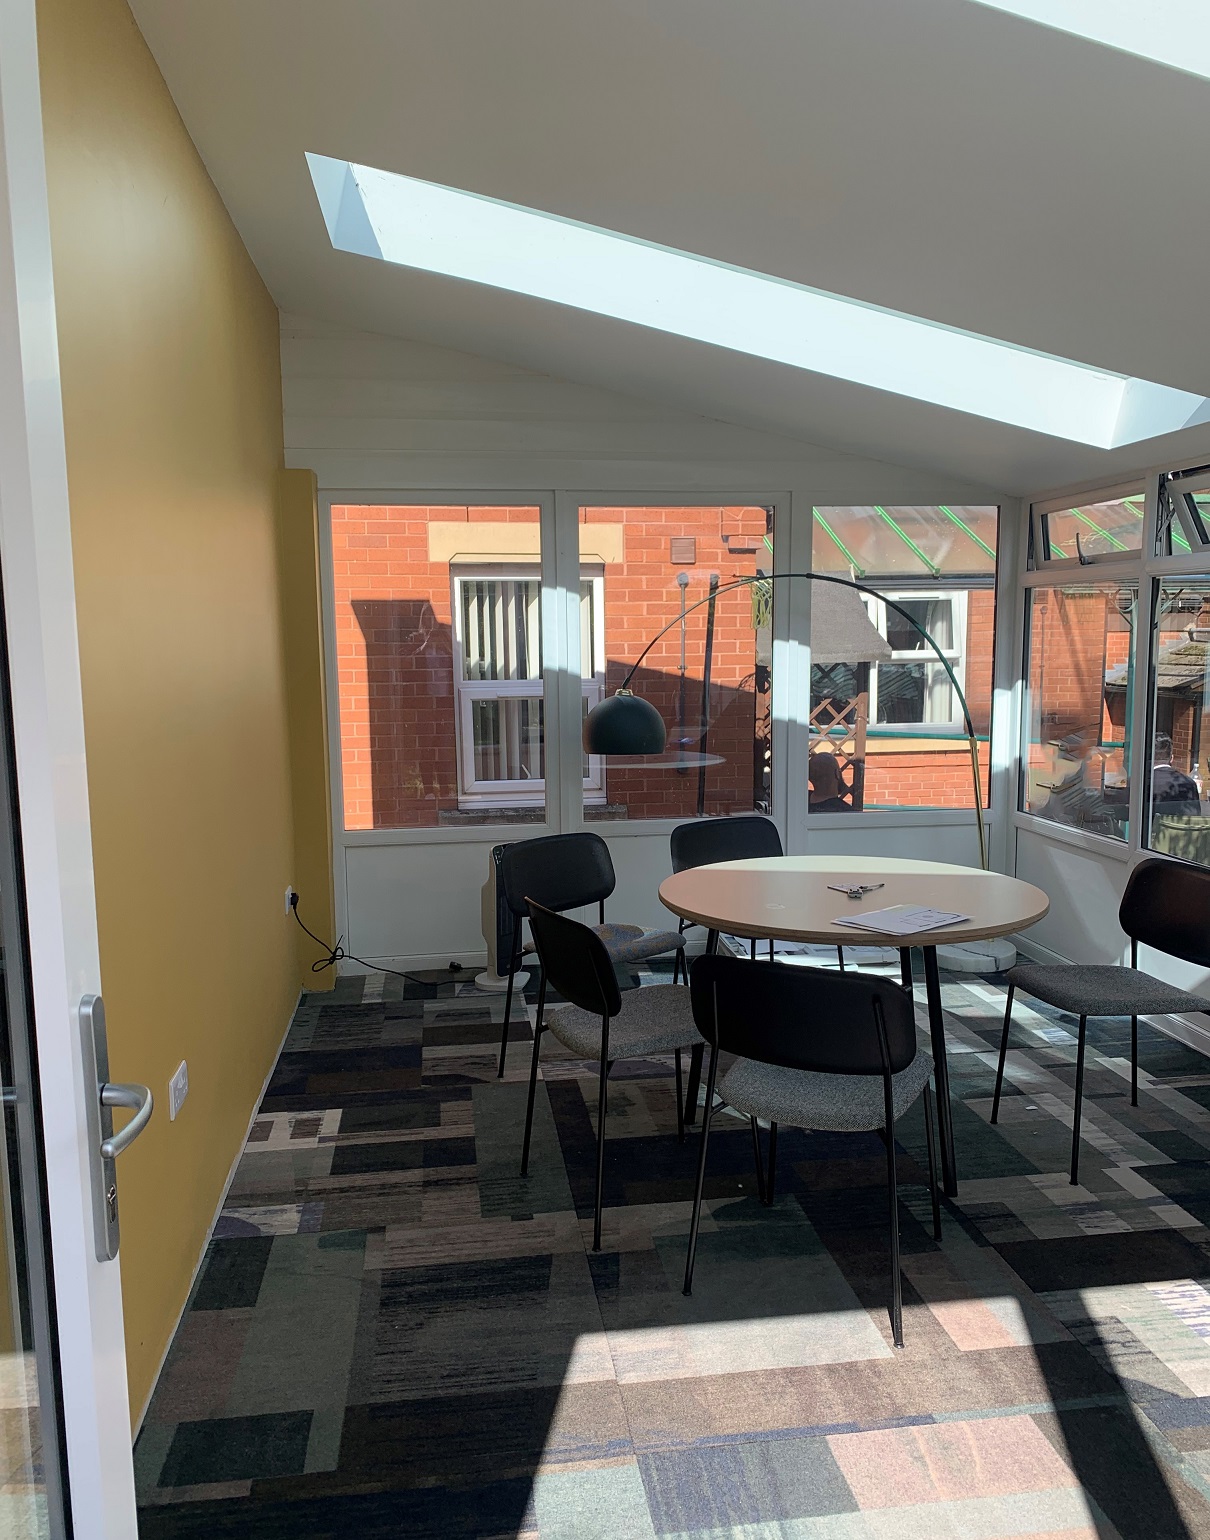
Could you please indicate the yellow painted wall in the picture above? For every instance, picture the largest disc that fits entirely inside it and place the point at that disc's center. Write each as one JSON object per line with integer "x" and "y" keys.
{"x": 302, "y": 631}
{"x": 172, "y": 399}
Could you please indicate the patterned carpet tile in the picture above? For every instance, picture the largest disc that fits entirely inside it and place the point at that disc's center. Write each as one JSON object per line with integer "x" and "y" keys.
{"x": 394, "y": 1334}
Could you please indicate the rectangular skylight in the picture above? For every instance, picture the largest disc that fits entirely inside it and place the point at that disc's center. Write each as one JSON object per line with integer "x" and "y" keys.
{"x": 418, "y": 224}
{"x": 1172, "y": 32}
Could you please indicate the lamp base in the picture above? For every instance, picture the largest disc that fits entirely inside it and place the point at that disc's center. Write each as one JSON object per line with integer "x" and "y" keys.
{"x": 497, "y": 983}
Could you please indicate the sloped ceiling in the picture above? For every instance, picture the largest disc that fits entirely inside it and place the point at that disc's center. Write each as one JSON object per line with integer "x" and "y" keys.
{"x": 936, "y": 157}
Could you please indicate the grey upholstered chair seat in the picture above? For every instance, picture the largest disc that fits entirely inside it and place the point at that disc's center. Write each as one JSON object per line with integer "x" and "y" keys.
{"x": 633, "y": 943}
{"x": 1101, "y": 989}
{"x": 657, "y": 1019}
{"x": 811, "y": 1099}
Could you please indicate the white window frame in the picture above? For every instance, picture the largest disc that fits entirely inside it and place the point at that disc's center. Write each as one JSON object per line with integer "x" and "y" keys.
{"x": 474, "y": 793}
{"x": 955, "y": 655}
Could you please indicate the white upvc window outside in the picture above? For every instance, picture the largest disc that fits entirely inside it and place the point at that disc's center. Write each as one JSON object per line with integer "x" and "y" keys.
{"x": 500, "y": 719}
{"x": 913, "y": 689}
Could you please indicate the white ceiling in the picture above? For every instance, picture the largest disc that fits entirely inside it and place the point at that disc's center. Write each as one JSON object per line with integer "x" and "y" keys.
{"x": 933, "y": 156}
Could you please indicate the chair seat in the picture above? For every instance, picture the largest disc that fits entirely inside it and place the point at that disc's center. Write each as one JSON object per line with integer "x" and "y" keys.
{"x": 1101, "y": 989}
{"x": 656, "y": 1019}
{"x": 633, "y": 943}
{"x": 844, "y": 1104}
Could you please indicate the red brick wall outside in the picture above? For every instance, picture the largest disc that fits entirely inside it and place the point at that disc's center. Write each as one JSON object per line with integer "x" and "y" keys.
{"x": 394, "y": 644}
{"x": 641, "y": 596}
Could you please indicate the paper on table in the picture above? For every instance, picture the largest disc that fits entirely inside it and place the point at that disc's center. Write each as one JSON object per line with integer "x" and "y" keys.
{"x": 901, "y": 920}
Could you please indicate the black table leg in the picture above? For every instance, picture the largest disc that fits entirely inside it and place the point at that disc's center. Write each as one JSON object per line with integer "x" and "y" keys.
{"x": 945, "y": 1121}
{"x": 905, "y": 967}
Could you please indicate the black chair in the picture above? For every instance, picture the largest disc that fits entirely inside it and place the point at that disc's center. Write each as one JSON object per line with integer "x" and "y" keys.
{"x": 567, "y": 871}
{"x": 707, "y": 841}
{"x": 1166, "y": 905}
{"x": 597, "y": 1024}
{"x": 817, "y": 1050}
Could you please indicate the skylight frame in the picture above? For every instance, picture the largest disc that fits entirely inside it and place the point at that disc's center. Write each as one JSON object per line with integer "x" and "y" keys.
{"x": 403, "y": 220}
{"x": 1175, "y": 33}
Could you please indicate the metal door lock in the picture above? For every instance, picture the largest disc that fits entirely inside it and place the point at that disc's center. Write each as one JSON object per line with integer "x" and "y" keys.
{"x": 104, "y": 1146}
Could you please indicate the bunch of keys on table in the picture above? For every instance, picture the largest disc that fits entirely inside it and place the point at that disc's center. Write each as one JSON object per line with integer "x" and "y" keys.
{"x": 857, "y": 890}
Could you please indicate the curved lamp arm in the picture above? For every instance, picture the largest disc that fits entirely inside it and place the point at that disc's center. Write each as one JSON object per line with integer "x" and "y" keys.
{"x": 861, "y": 588}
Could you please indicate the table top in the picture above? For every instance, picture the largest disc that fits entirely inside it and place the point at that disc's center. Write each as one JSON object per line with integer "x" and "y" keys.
{"x": 788, "y": 897}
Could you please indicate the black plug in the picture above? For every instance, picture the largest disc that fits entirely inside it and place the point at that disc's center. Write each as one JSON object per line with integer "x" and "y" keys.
{"x": 293, "y": 900}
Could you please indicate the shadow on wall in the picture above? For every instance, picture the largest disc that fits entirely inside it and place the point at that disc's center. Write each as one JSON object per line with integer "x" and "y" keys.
{"x": 406, "y": 744}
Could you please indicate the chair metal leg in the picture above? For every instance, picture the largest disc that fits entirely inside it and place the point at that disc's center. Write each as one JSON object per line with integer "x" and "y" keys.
{"x": 701, "y": 1175}
{"x": 752, "y": 950}
{"x": 1075, "y": 1122}
{"x": 771, "y": 1174}
{"x": 840, "y": 957}
{"x": 893, "y": 1198}
{"x": 529, "y": 1109}
{"x": 601, "y": 1115}
{"x": 930, "y": 1136}
{"x": 759, "y": 1159}
{"x": 514, "y": 963}
{"x": 1134, "y": 1061}
{"x": 772, "y": 950}
{"x": 695, "y": 1082}
{"x": 1008, "y": 1016}
{"x": 680, "y": 1101}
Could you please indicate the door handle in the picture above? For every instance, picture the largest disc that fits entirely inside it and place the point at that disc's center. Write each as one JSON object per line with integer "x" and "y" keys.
{"x": 101, "y": 1096}
{"x": 140, "y": 1101}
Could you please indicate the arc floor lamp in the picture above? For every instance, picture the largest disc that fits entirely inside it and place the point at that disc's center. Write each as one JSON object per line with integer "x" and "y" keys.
{"x": 625, "y": 723}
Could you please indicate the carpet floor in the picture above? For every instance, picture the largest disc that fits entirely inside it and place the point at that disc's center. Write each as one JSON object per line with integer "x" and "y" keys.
{"x": 395, "y": 1335}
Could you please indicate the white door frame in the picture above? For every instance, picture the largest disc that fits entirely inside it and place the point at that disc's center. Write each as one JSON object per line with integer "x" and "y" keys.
{"x": 48, "y": 728}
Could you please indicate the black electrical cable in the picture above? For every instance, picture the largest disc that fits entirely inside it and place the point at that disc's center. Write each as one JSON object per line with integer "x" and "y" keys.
{"x": 337, "y": 954}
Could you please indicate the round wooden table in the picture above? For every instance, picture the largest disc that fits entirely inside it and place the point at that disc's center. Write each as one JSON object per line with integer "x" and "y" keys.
{"x": 790, "y": 898}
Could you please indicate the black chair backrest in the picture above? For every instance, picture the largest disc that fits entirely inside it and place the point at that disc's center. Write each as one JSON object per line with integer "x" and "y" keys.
{"x": 1166, "y": 905}
{"x": 558, "y": 871}
{"x": 707, "y": 841}
{"x": 575, "y": 962}
{"x": 803, "y": 1018}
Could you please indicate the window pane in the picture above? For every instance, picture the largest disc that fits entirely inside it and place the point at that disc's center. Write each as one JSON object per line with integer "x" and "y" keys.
{"x": 905, "y": 541}
{"x": 898, "y": 720}
{"x": 1179, "y": 821}
{"x": 439, "y": 643}
{"x": 1095, "y": 529}
{"x": 1184, "y": 515}
{"x": 1080, "y": 693}
{"x": 709, "y": 678}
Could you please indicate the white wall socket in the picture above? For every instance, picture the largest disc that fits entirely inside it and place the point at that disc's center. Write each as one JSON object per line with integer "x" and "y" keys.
{"x": 178, "y": 1090}
{"x": 289, "y": 901}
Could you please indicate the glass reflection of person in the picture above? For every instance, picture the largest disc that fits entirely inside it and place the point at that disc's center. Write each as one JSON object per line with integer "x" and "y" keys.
{"x": 1172, "y": 791}
{"x": 828, "y": 791}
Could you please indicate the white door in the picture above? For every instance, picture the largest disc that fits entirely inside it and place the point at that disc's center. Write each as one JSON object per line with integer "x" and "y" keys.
{"x": 62, "y": 1353}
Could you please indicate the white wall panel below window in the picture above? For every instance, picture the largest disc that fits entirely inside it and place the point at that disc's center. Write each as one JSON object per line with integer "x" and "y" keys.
{"x": 416, "y": 904}
{"x": 1085, "y": 888}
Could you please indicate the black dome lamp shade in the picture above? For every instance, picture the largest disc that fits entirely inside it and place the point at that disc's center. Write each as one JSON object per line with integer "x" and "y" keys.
{"x": 624, "y": 723}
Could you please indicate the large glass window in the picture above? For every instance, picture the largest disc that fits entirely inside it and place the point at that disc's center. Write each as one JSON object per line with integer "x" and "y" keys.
{"x": 439, "y": 661}
{"x": 1179, "y": 824}
{"x": 709, "y": 677}
{"x": 890, "y": 713}
{"x": 1079, "y": 705}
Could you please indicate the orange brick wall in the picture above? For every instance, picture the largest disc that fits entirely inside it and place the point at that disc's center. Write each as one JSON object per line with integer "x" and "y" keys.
{"x": 641, "y": 595}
